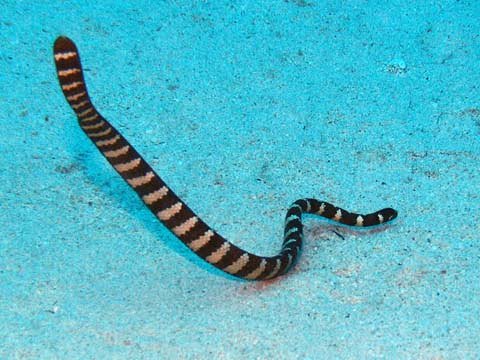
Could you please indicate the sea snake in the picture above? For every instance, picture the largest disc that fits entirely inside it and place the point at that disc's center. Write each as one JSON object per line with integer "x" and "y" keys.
{"x": 170, "y": 209}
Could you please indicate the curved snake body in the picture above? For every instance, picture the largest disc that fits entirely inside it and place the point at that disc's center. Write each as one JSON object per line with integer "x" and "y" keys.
{"x": 170, "y": 209}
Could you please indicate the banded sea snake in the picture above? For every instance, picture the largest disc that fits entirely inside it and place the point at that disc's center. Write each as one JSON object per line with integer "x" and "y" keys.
{"x": 170, "y": 209}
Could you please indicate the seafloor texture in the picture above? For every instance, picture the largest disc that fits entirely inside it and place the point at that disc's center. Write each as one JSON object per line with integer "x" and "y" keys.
{"x": 243, "y": 107}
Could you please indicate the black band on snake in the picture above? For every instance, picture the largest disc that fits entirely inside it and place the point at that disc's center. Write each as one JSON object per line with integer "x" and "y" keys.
{"x": 170, "y": 209}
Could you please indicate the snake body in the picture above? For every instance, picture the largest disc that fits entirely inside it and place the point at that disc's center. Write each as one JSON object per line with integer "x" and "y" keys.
{"x": 170, "y": 209}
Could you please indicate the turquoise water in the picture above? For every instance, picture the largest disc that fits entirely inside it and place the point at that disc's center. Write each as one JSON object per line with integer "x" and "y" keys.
{"x": 243, "y": 107}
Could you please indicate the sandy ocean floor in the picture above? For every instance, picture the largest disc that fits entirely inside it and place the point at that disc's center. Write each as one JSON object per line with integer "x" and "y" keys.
{"x": 243, "y": 107}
